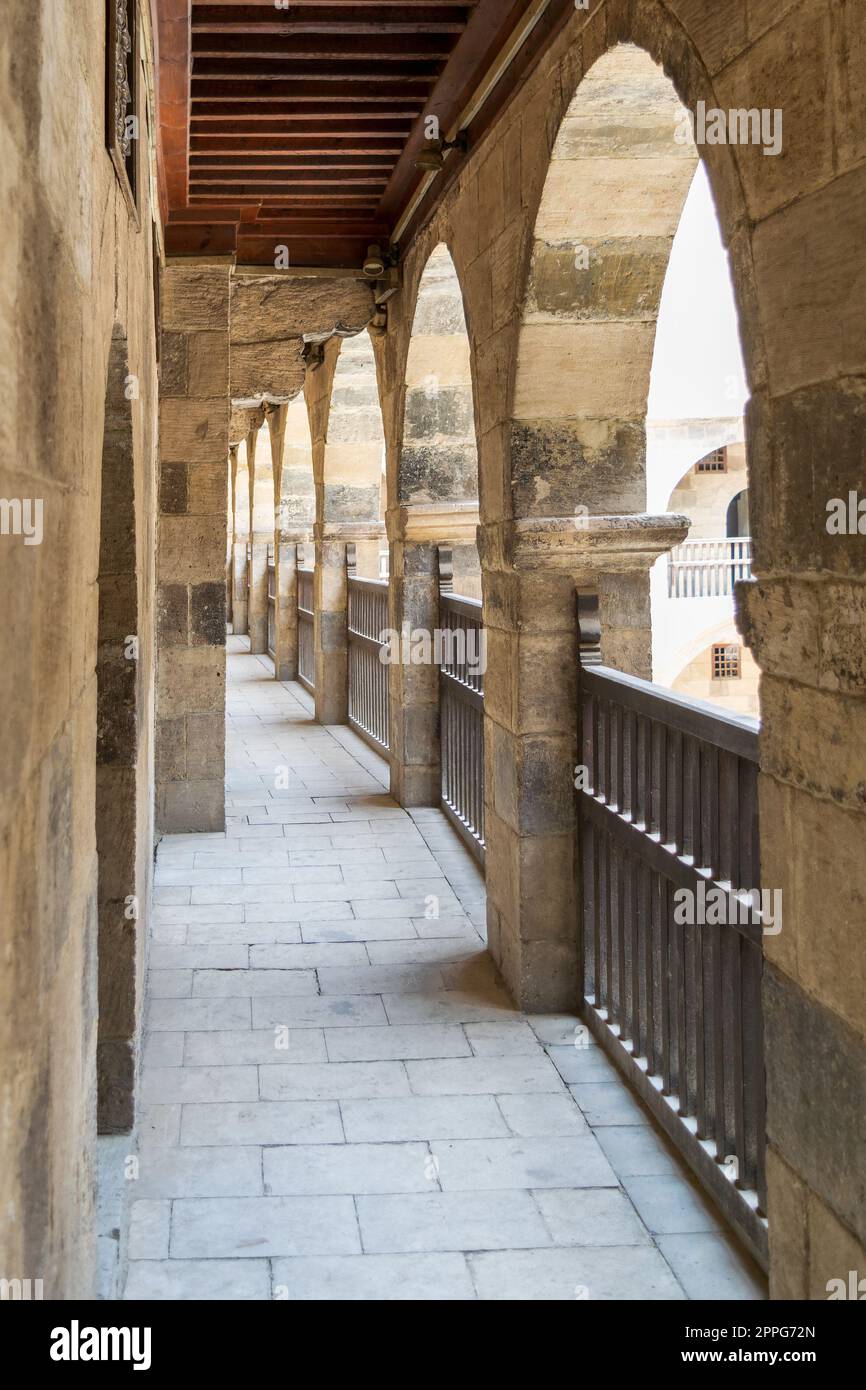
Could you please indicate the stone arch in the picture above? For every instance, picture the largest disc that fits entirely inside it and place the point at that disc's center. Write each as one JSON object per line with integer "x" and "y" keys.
{"x": 239, "y": 468}
{"x": 354, "y": 451}
{"x": 610, "y": 207}
{"x": 439, "y": 455}
{"x": 293, "y": 460}
{"x": 260, "y": 465}
{"x": 704, "y": 498}
{"x": 437, "y": 481}
{"x": 118, "y": 732}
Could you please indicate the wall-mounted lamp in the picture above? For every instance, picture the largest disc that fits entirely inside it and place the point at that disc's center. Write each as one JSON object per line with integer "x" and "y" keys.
{"x": 431, "y": 157}
{"x": 374, "y": 264}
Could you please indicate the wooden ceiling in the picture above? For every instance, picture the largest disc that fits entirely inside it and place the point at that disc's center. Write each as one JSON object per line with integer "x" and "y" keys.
{"x": 298, "y": 125}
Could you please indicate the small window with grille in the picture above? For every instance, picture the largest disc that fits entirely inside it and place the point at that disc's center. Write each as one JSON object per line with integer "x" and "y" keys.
{"x": 726, "y": 662}
{"x": 716, "y": 462}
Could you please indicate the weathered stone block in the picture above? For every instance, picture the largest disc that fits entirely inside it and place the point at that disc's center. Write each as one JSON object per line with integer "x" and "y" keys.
{"x": 170, "y": 745}
{"x": 195, "y": 298}
{"x": 172, "y": 615}
{"x": 207, "y": 612}
{"x": 191, "y": 806}
{"x": 208, "y": 364}
{"x": 173, "y": 488}
{"x": 193, "y": 431}
{"x": 190, "y": 679}
{"x": 266, "y": 309}
{"x": 191, "y": 550}
{"x": 816, "y": 1085}
{"x": 812, "y": 308}
{"x": 173, "y": 364}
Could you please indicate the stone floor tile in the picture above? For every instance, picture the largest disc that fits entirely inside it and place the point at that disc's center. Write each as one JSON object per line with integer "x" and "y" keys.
{"x": 318, "y": 1012}
{"x": 711, "y": 1268}
{"x": 671, "y": 1205}
{"x": 467, "y": 1076}
{"x": 484, "y": 1165}
{"x": 583, "y": 1064}
{"x": 533, "y": 1116}
{"x": 262, "y": 1122}
{"x": 198, "y": 1280}
{"x": 341, "y": 955}
{"x": 149, "y": 1225}
{"x": 447, "y": 1006}
{"x": 501, "y": 1039}
{"x": 638, "y": 1151}
{"x": 375, "y": 1278}
{"x": 162, "y": 1050}
{"x": 233, "y": 1171}
{"x": 415, "y": 952}
{"x": 169, "y": 984}
{"x": 596, "y": 1273}
{"x": 556, "y": 1029}
{"x": 380, "y": 979}
{"x": 209, "y": 957}
{"x": 158, "y": 1124}
{"x": 231, "y": 983}
{"x": 255, "y": 1047}
{"x": 451, "y": 1221}
{"x": 397, "y": 929}
{"x": 323, "y": 1169}
{"x": 188, "y": 1015}
{"x": 180, "y": 1085}
{"x": 609, "y": 1103}
{"x": 422, "y": 1117}
{"x": 248, "y": 1227}
{"x": 334, "y": 1081}
{"x": 591, "y": 1216}
{"x": 382, "y": 1044}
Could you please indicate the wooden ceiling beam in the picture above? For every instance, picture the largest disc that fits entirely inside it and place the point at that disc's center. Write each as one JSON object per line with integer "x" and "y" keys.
{"x": 300, "y": 147}
{"x": 385, "y": 109}
{"x": 396, "y": 48}
{"x": 293, "y": 164}
{"x": 261, "y": 70}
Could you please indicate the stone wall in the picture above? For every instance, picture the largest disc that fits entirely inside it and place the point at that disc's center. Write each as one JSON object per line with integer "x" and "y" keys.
{"x": 191, "y": 593}
{"x": 77, "y": 276}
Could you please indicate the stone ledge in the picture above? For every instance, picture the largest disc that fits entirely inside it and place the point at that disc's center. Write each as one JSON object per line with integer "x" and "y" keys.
{"x": 583, "y": 546}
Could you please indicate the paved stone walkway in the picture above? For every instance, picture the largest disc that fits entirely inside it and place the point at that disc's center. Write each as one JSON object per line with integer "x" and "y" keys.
{"x": 339, "y": 1101}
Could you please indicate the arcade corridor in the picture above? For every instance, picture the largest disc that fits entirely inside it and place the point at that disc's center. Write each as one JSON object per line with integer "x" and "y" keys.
{"x": 339, "y": 1099}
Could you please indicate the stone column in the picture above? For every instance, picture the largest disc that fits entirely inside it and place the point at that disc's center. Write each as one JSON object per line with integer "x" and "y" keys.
{"x": 331, "y": 597}
{"x": 191, "y": 546}
{"x": 533, "y": 571}
{"x": 414, "y": 689}
{"x": 416, "y": 534}
{"x": 257, "y": 599}
{"x": 240, "y": 619}
{"x": 331, "y": 591}
{"x": 286, "y": 559}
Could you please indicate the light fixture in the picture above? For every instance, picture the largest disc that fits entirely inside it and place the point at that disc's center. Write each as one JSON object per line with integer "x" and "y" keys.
{"x": 431, "y": 157}
{"x": 374, "y": 265}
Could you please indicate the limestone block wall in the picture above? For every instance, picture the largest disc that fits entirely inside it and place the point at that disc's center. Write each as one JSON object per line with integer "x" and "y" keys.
{"x": 191, "y": 596}
{"x": 76, "y": 270}
{"x": 794, "y": 229}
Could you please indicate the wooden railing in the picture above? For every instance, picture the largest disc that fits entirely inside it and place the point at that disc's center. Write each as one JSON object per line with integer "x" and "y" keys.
{"x": 369, "y": 708}
{"x": 272, "y": 603}
{"x": 667, "y": 802}
{"x": 461, "y": 697}
{"x": 306, "y": 651}
{"x": 709, "y": 568}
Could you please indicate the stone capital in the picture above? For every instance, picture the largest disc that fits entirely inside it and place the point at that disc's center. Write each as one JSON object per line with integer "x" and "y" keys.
{"x": 348, "y": 530}
{"x": 446, "y": 523}
{"x": 582, "y": 546}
